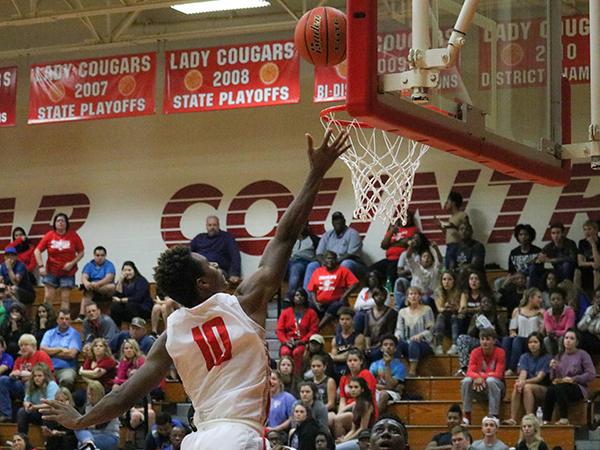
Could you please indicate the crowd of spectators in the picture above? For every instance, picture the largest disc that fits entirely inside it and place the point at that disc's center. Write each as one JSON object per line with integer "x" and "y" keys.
{"x": 539, "y": 323}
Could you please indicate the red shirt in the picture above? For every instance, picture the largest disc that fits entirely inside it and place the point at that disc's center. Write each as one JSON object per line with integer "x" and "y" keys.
{"x": 368, "y": 377}
{"x": 61, "y": 250}
{"x": 484, "y": 366}
{"x": 288, "y": 328}
{"x": 39, "y": 356}
{"x": 393, "y": 253}
{"x": 25, "y": 253}
{"x": 108, "y": 364}
{"x": 330, "y": 286}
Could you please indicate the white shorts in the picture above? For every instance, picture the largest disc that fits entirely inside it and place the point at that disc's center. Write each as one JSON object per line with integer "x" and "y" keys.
{"x": 225, "y": 435}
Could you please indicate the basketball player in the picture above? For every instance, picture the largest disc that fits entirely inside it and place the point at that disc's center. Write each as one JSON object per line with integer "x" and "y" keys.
{"x": 216, "y": 340}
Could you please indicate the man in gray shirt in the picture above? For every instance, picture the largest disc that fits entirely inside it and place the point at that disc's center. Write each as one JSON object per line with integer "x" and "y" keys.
{"x": 342, "y": 240}
{"x": 303, "y": 253}
{"x": 97, "y": 325}
{"x": 489, "y": 427}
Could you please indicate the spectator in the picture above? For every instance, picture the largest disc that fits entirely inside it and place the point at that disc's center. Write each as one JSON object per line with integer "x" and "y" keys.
{"x": 343, "y": 419}
{"x": 63, "y": 344}
{"x": 485, "y": 375}
{"x": 589, "y": 325}
{"x": 309, "y": 396}
{"x": 295, "y": 326}
{"x": 303, "y": 253}
{"x": 461, "y": 439}
{"x": 316, "y": 346}
{"x": 421, "y": 244}
{"x": 65, "y": 250}
{"x": 467, "y": 254}
{"x": 447, "y": 302}
{"x": 101, "y": 366}
{"x": 390, "y": 374}
{"x": 16, "y": 278}
{"x": 25, "y": 251}
{"x": 98, "y": 325}
{"x": 286, "y": 369}
{"x": 426, "y": 273}
{"x": 97, "y": 280}
{"x": 282, "y": 403}
{"x": 345, "y": 242}
{"x": 6, "y": 360}
{"x": 104, "y": 436}
{"x": 489, "y": 427}
{"x": 557, "y": 320}
{"x": 414, "y": 330}
{"x": 526, "y": 319}
{"x": 457, "y": 218}
{"x": 137, "y": 331}
{"x": 511, "y": 293}
{"x": 220, "y": 247}
{"x": 395, "y": 242}
{"x": 58, "y": 437}
{"x": 380, "y": 321}
{"x": 325, "y": 385}
{"x": 132, "y": 296}
{"x": 278, "y": 440}
{"x": 364, "y": 299}
{"x": 14, "y": 327}
{"x": 571, "y": 371}
{"x": 40, "y": 385}
{"x": 176, "y": 437}
{"x": 575, "y": 298}
{"x": 304, "y": 428}
{"x": 20, "y": 441}
{"x": 5, "y": 302}
{"x": 163, "y": 307}
{"x": 346, "y": 337}
{"x": 330, "y": 286}
{"x": 13, "y": 385}
{"x": 389, "y": 432}
{"x": 530, "y": 437}
{"x": 533, "y": 378}
{"x": 588, "y": 256}
{"x": 159, "y": 436}
{"x": 474, "y": 291}
{"x": 45, "y": 319}
{"x": 443, "y": 441}
{"x": 522, "y": 259}
{"x": 486, "y": 318}
{"x": 561, "y": 252}
{"x": 323, "y": 441}
{"x": 549, "y": 282}
{"x": 363, "y": 412}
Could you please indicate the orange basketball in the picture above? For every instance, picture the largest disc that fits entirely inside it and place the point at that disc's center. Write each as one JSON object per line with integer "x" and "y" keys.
{"x": 193, "y": 80}
{"x": 269, "y": 72}
{"x": 127, "y": 85}
{"x": 320, "y": 36}
{"x": 56, "y": 91}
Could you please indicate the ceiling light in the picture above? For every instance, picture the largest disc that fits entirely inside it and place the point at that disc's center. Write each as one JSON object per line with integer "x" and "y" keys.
{"x": 219, "y": 5}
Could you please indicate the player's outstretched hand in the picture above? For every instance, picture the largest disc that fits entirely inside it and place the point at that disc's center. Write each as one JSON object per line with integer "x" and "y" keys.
{"x": 323, "y": 157}
{"x": 54, "y": 411}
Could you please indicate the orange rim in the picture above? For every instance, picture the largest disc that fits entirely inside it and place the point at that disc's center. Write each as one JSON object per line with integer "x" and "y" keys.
{"x": 328, "y": 115}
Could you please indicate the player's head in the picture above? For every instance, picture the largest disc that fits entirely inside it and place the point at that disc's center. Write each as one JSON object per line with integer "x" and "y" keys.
{"x": 186, "y": 277}
{"x": 389, "y": 433}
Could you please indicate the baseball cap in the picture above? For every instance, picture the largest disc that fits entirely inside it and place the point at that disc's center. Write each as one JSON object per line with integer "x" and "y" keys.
{"x": 10, "y": 251}
{"x": 317, "y": 338}
{"x": 138, "y": 322}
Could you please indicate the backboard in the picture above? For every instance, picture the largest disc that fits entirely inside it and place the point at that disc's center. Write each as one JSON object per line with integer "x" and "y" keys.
{"x": 503, "y": 97}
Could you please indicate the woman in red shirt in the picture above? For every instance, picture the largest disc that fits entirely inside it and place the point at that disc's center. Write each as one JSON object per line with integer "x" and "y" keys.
{"x": 101, "y": 367}
{"x": 295, "y": 326}
{"x": 65, "y": 250}
{"x": 25, "y": 249}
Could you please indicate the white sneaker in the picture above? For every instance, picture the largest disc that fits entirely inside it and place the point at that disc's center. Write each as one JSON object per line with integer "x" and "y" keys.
{"x": 453, "y": 350}
{"x": 439, "y": 350}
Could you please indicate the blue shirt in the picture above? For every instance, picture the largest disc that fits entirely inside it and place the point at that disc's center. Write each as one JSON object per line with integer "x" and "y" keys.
{"x": 70, "y": 339}
{"x": 116, "y": 342}
{"x": 7, "y": 361}
{"x": 281, "y": 408}
{"x": 349, "y": 242}
{"x": 37, "y": 395}
{"x": 95, "y": 272}
{"x": 533, "y": 365}
{"x": 19, "y": 269}
{"x": 220, "y": 248}
{"x": 398, "y": 370}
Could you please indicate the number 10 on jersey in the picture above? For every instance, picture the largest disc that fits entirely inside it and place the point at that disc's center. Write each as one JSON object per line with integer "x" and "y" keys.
{"x": 216, "y": 348}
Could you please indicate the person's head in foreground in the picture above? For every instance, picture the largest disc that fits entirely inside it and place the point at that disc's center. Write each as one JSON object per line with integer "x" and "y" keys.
{"x": 461, "y": 440}
{"x": 389, "y": 433}
{"x": 530, "y": 431}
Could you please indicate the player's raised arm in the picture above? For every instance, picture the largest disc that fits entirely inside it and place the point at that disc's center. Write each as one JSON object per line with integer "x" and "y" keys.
{"x": 255, "y": 291}
{"x": 146, "y": 378}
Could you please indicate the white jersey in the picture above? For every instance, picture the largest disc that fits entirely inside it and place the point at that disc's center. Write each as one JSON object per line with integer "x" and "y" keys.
{"x": 221, "y": 357}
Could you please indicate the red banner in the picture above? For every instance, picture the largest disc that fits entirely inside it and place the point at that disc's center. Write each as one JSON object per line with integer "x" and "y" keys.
{"x": 330, "y": 82}
{"x": 94, "y": 88}
{"x": 522, "y": 53}
{"x": 8, "y": 96}
{"x": 237, "y": 76}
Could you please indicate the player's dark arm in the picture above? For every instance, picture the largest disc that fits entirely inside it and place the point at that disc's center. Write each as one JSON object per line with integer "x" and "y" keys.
{"x": 255, "y": 292}
{"x": 146, "y": 378}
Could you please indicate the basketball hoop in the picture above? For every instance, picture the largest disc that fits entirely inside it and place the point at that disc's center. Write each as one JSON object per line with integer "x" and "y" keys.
{"x": 382, "y": 165}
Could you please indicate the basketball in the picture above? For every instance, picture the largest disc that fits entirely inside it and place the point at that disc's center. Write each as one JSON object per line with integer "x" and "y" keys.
{"x": 320, "y": 36}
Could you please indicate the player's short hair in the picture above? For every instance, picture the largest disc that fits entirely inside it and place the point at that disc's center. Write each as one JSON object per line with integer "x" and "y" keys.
{"x": 176, "y": 273}
{"x": 395, "y": 418}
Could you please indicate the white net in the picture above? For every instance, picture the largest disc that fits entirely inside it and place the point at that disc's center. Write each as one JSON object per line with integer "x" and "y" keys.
{"x": 383, "y": 167}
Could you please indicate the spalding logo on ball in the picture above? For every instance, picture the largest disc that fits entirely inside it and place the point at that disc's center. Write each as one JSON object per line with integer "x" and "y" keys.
{"x": 320, "y": 36}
